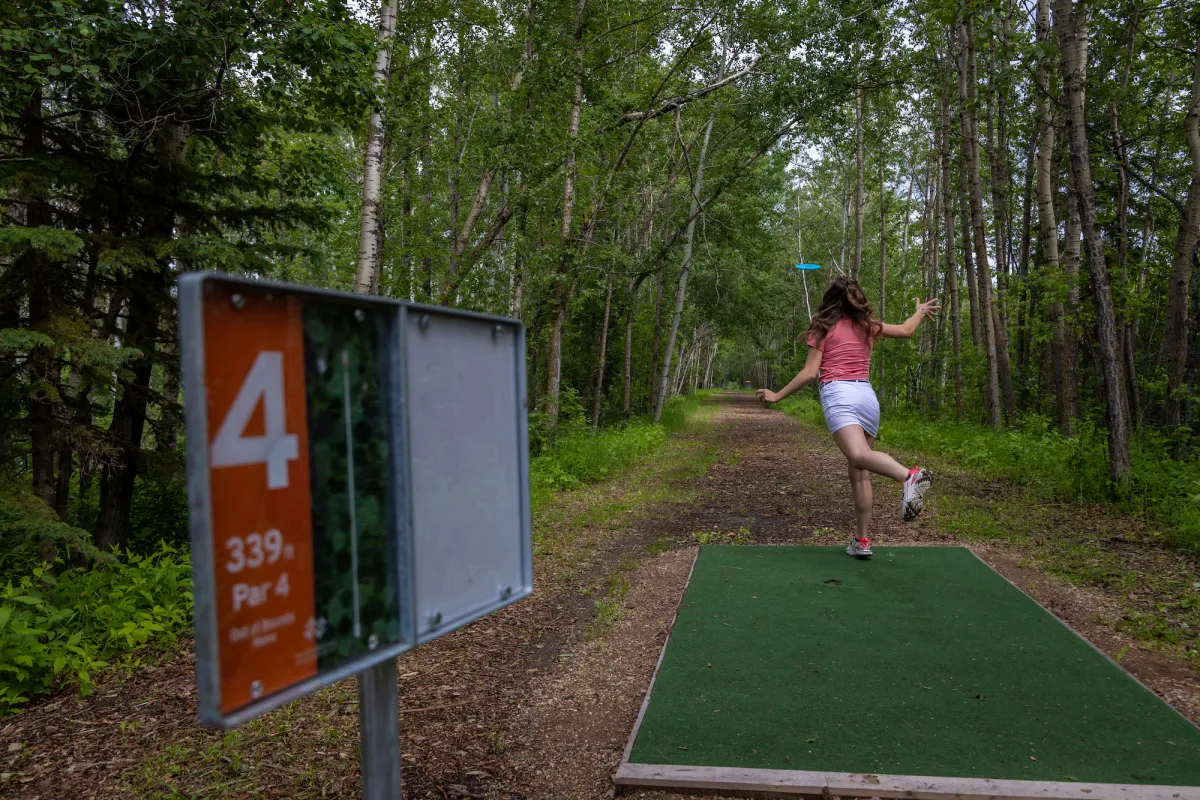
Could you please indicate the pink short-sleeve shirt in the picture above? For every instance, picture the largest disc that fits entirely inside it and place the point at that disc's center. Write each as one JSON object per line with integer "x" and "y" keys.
{"x": 845, "y": 352}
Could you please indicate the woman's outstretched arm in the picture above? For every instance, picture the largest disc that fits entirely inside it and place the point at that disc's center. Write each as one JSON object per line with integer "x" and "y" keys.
{"x": 812, "y": 368}
{"x": 906, "y": 329}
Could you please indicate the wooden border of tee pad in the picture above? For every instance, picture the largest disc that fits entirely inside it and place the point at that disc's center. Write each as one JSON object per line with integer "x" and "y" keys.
{"x": 851, "y": 784}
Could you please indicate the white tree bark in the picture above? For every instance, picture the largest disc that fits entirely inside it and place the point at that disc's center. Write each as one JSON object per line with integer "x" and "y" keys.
{"x": 681, "y": 291}
{"x": 368, "y": 237}
{"x": 1070, "y": 25}
{"x": 554, "y": 372}
{"x": 970, "y": 139}
{"x": 856, "y": 265}
{"x": 603, "y": 353}
{"x": 1176, "y": 343}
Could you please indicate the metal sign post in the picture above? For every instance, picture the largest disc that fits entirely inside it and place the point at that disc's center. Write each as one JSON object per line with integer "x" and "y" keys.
{"x": 357, "y": 485}
{"x": 379, "y": 732}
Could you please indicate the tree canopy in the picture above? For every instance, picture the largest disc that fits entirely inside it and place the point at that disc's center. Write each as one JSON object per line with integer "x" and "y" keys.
{"x": 633, "y": 179}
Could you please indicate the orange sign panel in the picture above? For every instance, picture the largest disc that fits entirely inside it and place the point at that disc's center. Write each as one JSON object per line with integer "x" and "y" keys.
{"x": 259, "y": 478}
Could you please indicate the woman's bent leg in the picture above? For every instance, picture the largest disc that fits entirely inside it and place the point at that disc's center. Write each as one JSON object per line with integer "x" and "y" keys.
{"x": 860, "y": 488}
{"x": 852, "y": 441}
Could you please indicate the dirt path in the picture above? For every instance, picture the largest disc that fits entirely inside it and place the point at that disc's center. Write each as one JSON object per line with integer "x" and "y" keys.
{"x": 537, "y": 701}
{"x": 784, "y": 482}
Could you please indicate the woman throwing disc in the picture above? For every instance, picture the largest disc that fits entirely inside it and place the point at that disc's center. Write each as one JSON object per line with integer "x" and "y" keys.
{"x": 840, "y": 337}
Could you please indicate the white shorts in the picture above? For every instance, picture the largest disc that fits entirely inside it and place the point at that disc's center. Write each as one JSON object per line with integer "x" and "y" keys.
{"x": 850, "y": 403}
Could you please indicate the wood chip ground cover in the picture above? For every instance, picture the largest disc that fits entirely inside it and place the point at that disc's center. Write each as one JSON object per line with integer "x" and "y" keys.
{"x": 538, "y": 701}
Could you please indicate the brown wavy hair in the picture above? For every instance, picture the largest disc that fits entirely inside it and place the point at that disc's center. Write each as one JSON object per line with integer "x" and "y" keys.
{"x": 844, "y": 298}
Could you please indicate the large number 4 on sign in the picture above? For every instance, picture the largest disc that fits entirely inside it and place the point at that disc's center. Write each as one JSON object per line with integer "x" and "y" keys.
{"x": 232, "y": 448}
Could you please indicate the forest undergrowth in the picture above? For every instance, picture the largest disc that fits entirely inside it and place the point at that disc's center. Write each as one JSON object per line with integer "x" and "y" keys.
{"x": 61, "y": 624}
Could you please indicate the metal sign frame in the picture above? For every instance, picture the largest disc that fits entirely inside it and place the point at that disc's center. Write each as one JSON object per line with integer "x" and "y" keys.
{"x": 191, "y": 324}
{"x": 524, "y": 588}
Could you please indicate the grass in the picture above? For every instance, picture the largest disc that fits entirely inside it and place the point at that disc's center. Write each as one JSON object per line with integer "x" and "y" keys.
{"x": 1046, "y": 497}
{"x": 609, "y": 608}
{"x": 682, "y": 413}
{"x": 741, "y": 536}
{"x": 655, "y": 476}
{"x": 654, "y": 463}
{"x": 660, "y": 545}
{"x": 579, "y": 455}
{"x": 1052, "y": 467}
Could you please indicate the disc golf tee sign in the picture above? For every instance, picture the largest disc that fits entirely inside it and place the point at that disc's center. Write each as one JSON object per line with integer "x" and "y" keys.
{"x": 310, "y": 515}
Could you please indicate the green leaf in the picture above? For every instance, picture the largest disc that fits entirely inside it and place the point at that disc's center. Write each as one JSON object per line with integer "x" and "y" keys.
{"x": 24, "y": 340}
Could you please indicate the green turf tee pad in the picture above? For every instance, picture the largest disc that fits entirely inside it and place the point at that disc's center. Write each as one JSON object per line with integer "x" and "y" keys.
{"x": 921, "y": 661}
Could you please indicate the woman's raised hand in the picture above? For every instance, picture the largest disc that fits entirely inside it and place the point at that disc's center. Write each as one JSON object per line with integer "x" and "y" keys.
{"x": 768, "y": 395}
{"x": 929, "y": 308}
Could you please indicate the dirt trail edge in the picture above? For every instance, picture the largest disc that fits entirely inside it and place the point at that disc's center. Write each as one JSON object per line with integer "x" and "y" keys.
{"x": 538, "y": 701}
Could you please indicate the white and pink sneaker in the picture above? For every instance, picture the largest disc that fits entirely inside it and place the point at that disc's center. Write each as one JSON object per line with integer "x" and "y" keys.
{"x": 915, "y": 486}
{"x": 860, "y": 548}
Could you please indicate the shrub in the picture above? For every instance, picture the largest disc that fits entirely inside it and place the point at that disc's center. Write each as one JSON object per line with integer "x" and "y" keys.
{"x": 805, "y": 406}
{"x": 578, "y": 454}
{"x": 581, "y": 455}
{"x": 677, "y": 412}
{"x": 1034, "y": 455}
{"x": 31, "y": 532}
{"x": 160, "y": 504}
{"x": 58, "y": 631}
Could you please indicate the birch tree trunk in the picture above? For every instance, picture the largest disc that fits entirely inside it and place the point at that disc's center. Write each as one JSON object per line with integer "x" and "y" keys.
{"x": 652, "y": 385}
{"x": 564, "y": 284}
{"x": 1026, "y": 299}
{"x": 1072, "y": 257}
{"x": 964, "y": 212}
{"x": 710, "y": 352}
{"x": 1062, "y": 373}
{"x": 934, "y": 232}
{"x": 970, "y": 136}
{"x": 998, "y": 151}
{"x": 1175, "y": 340}
{"x": 1121, "y": 151}
{"x": 631, "y": 294}
{"x": 427, "y": 170}
{"x": 687, "y": 264}
{"x": 845, "y": 216}
{"x": 1071, "y": 30}
{"x": 856, "y": 266}
{"x": 368, "y": 235}
{"x": 882, "y": 267}
{"x": 904, "y": 229}
{"x": 518, "y": 290}
{"x": 603, "y": 353}
{"x": 951, "y": 247}
{"x": 1149, "y": 239}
